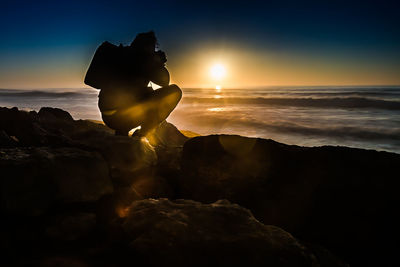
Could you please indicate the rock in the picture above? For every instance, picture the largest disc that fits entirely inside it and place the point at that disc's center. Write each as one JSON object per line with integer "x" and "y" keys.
{"x": 188, "y": 233}
{"x": 72, "y": 226}
{"x": 124, "y": 154}
{"x": 131, "y": 162}
{"x": 67, "y": 188}
{"x": 54, "y": 114}
{"x": 168, "y": 142}
{"x": 86, "y": 130}
{"x": 60, "y": 261}
{"x": 7, "y": 141}
{"x": 342, "y": 198}
{"x": 167, "y": 135}
{"x": 35, "y": 179}
{"x": 49, "y": 127}
{"x": 23, "y": 126}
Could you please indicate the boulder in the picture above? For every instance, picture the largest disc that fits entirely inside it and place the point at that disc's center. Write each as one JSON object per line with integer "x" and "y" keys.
{"x": 71, "y": 227}
{"x": 342, "y": 198}
{"x": 35, "y": 179}
{"x": 123, "y": 154}
{"x": 168, "y": 142}
{"x": 132, "y": 168}
{"x": 130, "y": 161}
{"x": 50, "y": 113}
{"x": 23, "y": 126}
{"x": 49, "y": 127}
{"x": 188, "y": 233}
{"x": 167, "y": 135}
{"x": 6, "y": 140}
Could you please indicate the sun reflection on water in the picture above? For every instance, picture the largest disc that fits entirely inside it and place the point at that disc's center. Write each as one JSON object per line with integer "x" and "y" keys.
{"x": 216, "y": 109}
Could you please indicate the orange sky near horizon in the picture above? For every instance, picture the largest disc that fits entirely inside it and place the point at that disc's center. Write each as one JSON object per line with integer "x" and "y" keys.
{"x": 244, "y": 68}
{"x": 252, "y": 68}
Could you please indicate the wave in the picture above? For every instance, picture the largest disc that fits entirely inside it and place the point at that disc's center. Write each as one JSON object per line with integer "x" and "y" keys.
{"x": 338, "y": 131}
{"x": 344, "y": 94}
{"x": 18, "y": 93}
{"x": 337, "y": 102}
{"x": 56, "y": 93}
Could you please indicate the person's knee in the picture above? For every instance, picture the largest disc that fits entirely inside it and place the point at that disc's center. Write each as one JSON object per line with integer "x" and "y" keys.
{"x": 174, "y": 89}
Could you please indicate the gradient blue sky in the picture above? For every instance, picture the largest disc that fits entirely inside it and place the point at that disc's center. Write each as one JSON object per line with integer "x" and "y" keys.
{"x": 48, "y": 44}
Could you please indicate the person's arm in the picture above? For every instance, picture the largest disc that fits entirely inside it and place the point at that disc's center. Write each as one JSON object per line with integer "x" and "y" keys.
{"x": 159, "y": 74}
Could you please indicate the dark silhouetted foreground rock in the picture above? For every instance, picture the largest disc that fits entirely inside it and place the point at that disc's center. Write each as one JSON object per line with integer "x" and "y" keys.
{"x": 188, "y": 233}
{"x": 342, "y": 198}
{"x": 54, "y": 114}
{"x": 167, "y": 135}
{"x": 74, "y": 194}
{"x": 35, "y": 179}
{"x": 6, "y": 140}
{"x": 71, "y": 226}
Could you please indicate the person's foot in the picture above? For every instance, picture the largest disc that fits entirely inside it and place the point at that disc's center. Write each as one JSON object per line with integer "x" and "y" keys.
{"x": 139, "y": 133}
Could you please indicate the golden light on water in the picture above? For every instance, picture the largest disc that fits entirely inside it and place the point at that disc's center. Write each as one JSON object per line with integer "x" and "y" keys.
{"x": 216, "y": 109}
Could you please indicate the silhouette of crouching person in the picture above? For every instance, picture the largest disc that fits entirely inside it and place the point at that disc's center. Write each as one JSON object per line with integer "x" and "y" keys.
{"x": 131, "y": 112}
{"x": 125, "y": 100}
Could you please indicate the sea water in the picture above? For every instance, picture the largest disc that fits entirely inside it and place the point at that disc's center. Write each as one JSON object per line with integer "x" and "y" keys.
{"x": 355, "y": 116}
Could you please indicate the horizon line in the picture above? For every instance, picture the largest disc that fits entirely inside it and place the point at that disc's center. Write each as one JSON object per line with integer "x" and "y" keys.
{"x": 209, "y": 87}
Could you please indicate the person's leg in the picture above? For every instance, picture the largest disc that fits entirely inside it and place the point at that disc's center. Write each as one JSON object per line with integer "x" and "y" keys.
{"x": 118, "y": 123}
{"x": 159, "y": 105}
{"x": 125, "y": 119}
{"x": 122, "y": 110}
{"x": 147, "y": 113}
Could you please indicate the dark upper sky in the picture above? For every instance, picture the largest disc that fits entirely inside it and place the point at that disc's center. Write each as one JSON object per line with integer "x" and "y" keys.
{"x": 50, "y": 43}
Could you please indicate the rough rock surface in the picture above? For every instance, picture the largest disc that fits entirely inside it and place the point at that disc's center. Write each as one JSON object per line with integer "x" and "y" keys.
{"x": 188, "y": 233}
{"x": 337, "y": 197}
{"x": 73, "y": 194}
{"x": 167, "y": 135}
{"x": 168, "y": 141}
{"x": 6, "y": 140}
{"x": 71, "y": 226}
{"x": 34, "y": 179}
{"x": 54, "y": 114}
{"x": 65, "y": 184}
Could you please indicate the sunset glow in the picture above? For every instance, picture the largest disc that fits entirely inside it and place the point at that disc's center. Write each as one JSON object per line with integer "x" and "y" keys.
{"x": 181, "y": 133}
{"x": 279, "y": 50}
{"x": 218, "y": 71}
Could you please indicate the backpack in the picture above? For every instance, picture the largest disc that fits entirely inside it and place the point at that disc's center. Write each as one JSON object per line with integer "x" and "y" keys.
{"x": 103, "y": 70}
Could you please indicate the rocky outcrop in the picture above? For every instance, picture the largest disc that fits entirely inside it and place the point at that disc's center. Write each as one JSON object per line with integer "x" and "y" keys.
{"x": 337, "y": 197}
{"x": 36, "y": 179}
{"x": 49, "y": 113}
{"x": 70, "y": 227}
{"x": 188, "y": 233}
{"x": 6, "y": 140}
{"x": 168, "y": 141}
{"x": 73, "y": 193}
{"x": 65, "y": 180}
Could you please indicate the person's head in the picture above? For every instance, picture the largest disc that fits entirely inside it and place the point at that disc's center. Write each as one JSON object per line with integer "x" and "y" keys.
{"x": 145, "y": 41}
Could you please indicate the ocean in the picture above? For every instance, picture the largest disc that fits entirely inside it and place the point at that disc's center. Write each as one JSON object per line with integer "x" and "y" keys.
{"x": 355, "y": 116}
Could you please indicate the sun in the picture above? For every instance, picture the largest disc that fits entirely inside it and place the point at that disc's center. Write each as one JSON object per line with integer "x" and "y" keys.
{"x": 218, "y": 71}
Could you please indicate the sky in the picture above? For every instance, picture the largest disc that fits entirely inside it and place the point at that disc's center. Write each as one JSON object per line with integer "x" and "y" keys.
{"x": 49, "y": 44}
